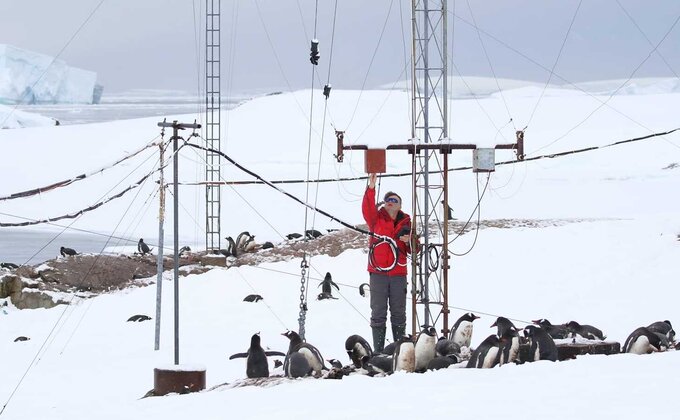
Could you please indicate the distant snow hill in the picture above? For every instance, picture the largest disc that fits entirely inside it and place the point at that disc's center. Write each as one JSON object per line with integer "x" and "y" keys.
{"x": 28, "y": 77}
{"x": 13, "y": 118}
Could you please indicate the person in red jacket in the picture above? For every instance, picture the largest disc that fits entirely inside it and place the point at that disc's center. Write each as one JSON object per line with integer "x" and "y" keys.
{"x": 387, "y": 276}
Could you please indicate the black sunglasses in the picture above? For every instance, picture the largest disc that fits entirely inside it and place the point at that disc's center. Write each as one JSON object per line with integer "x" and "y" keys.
{"x": 392, "y": 200}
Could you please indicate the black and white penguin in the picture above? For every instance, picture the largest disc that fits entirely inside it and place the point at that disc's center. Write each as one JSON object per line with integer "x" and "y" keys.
{"x": 541, "y": 344}
{"x": 327, "y": 284}
{"x": 389, "y": 349}
{"x": 139, "y": 318}
{"x": 142, "y": 247}
{"x": 404, "y": 356}
{"x": 335, "y": 363}
{"x": 296, "y": 365}
{"x": 663, "y": 327}
{"x": 267, "y": 245}
{"x": 184, "y": 251}
{"x": 256, "y": 358}
{"x": 425, "y": 348}
{"x": 442, "y": 362}
{"x": 9, "y": 266}
{"x": 378, "y": 364}
{"x": 461, "y": 332}
{"x": 357, "y": 348}
{"x": 67, "y": 251}
{"x": 292, "y": 236}
{"x": 446, "y": 347}
{"x": 252, "y": 298}
{"x": 486, "y": 355}
{"x": 642, "y": 341}
{"x": 241, "y": 240}
{"x": 555, "y": 331}
{"x": 508, "y": 336}
{"x": 231, "y": 248}
{"x": 251, "y": 245}
{"x": 313, "y": 234}
{"x": 586, "y": 331}
{"x": 314, "y": 358}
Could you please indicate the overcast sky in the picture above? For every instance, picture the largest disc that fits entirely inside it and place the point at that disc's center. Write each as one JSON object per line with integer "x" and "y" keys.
{"x": 155, "y": 44}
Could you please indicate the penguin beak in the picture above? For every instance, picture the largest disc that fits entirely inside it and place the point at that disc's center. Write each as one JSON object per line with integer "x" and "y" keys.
{"x": 474, "y": 317}
{"x": 493, "y": 325}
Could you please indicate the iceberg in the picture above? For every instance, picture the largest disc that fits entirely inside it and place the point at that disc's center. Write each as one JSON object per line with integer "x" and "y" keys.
{"x": 27, "y": 77}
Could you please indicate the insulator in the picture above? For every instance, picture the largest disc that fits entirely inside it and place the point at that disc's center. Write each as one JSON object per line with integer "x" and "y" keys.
{"x": 314, "y": 52}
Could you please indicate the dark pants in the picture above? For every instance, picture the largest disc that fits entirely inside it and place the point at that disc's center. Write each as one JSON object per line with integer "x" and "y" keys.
{"x": 384, "y": 290}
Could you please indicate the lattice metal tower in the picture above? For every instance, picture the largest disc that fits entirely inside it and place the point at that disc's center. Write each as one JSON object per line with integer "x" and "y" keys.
{"x": 213, "y": 102}
{"x": 430, "y": 125}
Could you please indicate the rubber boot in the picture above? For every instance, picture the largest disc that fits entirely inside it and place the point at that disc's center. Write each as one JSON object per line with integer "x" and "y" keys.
{"x": 398, "y": 332}
{"x": 378, "y": 338}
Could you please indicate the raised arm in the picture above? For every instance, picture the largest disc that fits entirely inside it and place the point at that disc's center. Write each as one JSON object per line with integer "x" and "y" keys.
{"x": 368, "y": 204}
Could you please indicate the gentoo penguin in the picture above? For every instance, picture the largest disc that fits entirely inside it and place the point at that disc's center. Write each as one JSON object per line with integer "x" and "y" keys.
{"x": 183, "y": 251}
{"x": 267, "y": 245}
{"x": 231, "y": 248}
{"x": 9, "y": 266}
{"x": 324, "y": 296}
{"x": 663, "y": 327}
{"x": 425, "y": 348}
{"x": 143, "y": 248}
{"x": 404, "y": 357}
{"x": 335, "y": 363}
{"x": 509, "y": 340}
{"x": 251, "y": 245}
{"x": 21, "y": 338}
{"x": 541, "y": 344}
{"x": 314, "y": 358}
{"x": 67, "y": 251}
{"x": 461, "y": 332}
{"x": 292, "y": 236}
{"x": 586, "y": 331}
{"x": 252, "y": 298}
{"x": 555, "y": 331}
{"x": 486, "y": 354}
{"x": 642, "y": 341}
{"x": 389, "y": 349}
{"x": 313, "y": 234}
{"x": 241, "y": 240}
{"x": 357, "y": 347}
{"x": 327, "y": 284}
{"x": 447, "y": 347}
{"x": 362, "y": 289}
{"x": 378, "y": 364}
{"x": 296, "y": 365}
{"x": 256, "y": 358}
{"x": 139, "y": 318}
{"x": 442, "y": 362}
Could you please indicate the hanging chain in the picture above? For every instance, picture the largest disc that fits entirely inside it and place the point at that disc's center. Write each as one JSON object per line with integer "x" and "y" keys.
{"x": 303, "y": 304}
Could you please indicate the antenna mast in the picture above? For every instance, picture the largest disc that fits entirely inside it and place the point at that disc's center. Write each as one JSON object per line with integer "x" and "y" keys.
{"x": 213, "y": 102}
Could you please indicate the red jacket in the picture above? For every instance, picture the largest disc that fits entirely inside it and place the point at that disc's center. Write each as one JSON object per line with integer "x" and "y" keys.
{"x": 380, "y": 223}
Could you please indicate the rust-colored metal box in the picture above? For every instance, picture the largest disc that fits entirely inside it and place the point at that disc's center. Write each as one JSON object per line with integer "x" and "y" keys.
{"x": 375, "y": 161}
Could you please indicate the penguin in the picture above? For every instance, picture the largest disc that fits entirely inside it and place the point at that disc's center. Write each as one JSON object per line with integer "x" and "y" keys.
{"x": 404, "y": 357}
{"x": 296, "y": 365}
{"x": 362, "y": 289}
{"x": 9, "y": 266}
{"x": 231, "y": 248}
{"x": 555, "y": 331}
{"x": 251, "y": 245}
{"x": 67, "y": 251}
{"x": 324, "y": 295}
{"x": 313, "y": 234}
{"x": 642, "y": 341}
{"x": 292, "y": 236}
{"x": 335, "y": 363}
{"x": 252, "y": 298}
{"x": 143, "y": 248}
{"x": 663, "y": 327}
{"x": 267, "y": 245}
{"x": 461, "y": 332}
{"x": 586, "y": 331}
{"x": 21, "y": 338}
{"x": 425, "y": 348}
{"x": 486, "y": 355}
{"x": 241, "y": 240}
{"x": 389, "y": 349}
{"x": 183, "y": 251}
{"x": 277, "y": 363}
{"x": 378, "y": 364}
{"x": 541, "y": 344}
{"x": 357, "y": 347}
{"x": 509, "y": 340}
{"x": 442, "y": 362}
{"x": 139, "y": 318}
{"x": 314, "y": 358}
{"x": 256, "y": 358}
{"x": 446, "y": 347}
{"x": 327, "y": 284}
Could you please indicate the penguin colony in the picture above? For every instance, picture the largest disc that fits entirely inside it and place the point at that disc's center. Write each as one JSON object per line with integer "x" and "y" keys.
{"x": 429, "y": 352}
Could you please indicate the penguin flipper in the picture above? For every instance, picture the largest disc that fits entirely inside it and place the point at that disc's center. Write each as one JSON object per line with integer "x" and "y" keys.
{"x": 333, "y": 284}
{"x": 274, "y": 353}
{"x": 238, "y": 355}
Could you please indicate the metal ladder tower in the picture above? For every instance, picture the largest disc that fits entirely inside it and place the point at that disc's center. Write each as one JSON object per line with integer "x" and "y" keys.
{"x": 429, "y": 111}
{"x": 213, "y": 102}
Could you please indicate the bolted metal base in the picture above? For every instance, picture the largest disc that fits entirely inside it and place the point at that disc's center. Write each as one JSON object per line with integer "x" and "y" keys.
{"x": 178, "y": 379}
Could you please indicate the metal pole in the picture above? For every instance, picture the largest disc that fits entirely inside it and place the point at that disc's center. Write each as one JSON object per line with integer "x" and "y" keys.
{"x": 175, "y": 209}
{"x": 426, "y": 174}
{"x": 445, "y": 248}
{"x": 159, "y": 265}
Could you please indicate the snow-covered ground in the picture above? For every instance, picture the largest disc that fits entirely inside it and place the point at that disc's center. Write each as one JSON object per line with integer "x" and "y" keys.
{"x": 603, "y": 249}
